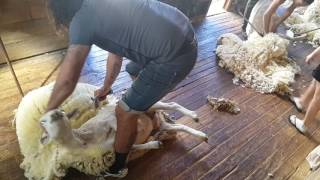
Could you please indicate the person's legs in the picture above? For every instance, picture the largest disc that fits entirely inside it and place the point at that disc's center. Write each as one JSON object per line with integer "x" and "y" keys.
{"x": 153, "y": 82}
{"x": 133, "y": 69}
{"x": 302, "y": 102}
{"x": 126, "y": 127}
{"x": 313, "y": 107}
{"x": 157, "y": 79}
{"x": 125, "y": 137}
{"x": 306, "y": 97}
{"x": 312, "y": 110}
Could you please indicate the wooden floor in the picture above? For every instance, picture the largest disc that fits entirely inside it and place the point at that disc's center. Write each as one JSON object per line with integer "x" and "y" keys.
{"x": 258, "y": 143}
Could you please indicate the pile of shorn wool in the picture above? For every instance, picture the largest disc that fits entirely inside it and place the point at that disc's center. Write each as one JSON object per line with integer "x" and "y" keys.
{"x": 260, "y": 62}
{"x": 308, "y": 20}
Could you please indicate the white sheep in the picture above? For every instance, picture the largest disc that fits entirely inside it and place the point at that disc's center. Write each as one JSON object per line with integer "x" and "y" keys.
{"x": 260, "y": 62}
{"x": 84, "y": 141}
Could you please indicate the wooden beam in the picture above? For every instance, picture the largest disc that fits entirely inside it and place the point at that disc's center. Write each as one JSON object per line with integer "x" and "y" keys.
{"x": 227, "y": 5}
{"x": 6, "y": 57}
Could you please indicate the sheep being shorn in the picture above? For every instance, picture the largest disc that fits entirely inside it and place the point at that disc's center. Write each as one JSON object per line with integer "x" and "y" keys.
{"x": 309, "y": 20}
{"x": 85, "y": 141}
{"x": 260, "y": 62}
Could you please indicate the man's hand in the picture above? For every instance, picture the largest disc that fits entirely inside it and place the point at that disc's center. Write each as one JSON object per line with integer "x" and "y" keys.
{"x": 315, "y": 55}
{"x": 114, "y": 63}
{"x": 102, "y": 93}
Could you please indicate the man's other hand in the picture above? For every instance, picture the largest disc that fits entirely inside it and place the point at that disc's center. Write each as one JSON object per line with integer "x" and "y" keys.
{"x": 102, "y": 93}
{"x": 315, "y": 55}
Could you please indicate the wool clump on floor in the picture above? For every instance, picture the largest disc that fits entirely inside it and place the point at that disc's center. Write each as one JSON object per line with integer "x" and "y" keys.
{"x": 260, "y": 62}
{"x": 313, "y": 158}
{"x": 223, "y": 105}
{"x": 300, "y": 22}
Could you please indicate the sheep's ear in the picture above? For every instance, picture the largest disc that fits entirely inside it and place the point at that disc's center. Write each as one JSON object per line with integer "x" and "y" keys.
{"x": 72, "y": 113}
{"x": 44, "y": 138}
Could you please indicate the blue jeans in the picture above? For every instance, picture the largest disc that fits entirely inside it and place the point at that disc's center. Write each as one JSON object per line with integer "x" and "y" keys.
{"x": 157, "y": 78}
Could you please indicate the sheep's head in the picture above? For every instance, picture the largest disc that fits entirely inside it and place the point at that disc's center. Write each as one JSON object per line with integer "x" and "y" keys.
{"x": 55, "y": 124}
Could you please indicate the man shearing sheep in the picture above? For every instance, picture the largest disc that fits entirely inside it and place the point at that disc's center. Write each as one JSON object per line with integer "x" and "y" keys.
{"x": 267, "y": 15}
{"x": 157, "y": 38}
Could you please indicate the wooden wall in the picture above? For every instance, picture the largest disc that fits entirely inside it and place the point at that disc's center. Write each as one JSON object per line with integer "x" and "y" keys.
{"x": 25, "y": 29}
{"x": 236, "y": 6}
{"x": 26, "y": 32}
{"x": 13, "y": 11}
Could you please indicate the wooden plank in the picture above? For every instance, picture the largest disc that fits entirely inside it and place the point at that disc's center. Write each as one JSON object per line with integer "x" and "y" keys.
{"x": 30, "y": 70}
{"x": 278, "y": 142}
{"x": 28, "y": 47}
{"x": 288, "y": 168}
{"x": 279, "y": 158}
{"x": 302, "y": 171}
{"x": 242, "y": 131}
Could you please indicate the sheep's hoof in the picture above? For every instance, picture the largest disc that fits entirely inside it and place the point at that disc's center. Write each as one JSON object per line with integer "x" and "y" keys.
{"x": 194, "y": 116}
{"x": 196, "y": 119}
{"x": 206, "y": 139}
{"x": 160, "y": 144}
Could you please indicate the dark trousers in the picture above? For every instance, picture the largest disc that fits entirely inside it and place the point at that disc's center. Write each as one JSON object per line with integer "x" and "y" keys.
{"x": 316, "y": 73}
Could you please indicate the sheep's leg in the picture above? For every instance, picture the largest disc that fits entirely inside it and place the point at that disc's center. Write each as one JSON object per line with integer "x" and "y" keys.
{"x": 176, "y": 107}
{"x": 148, "y": 145}
{"x": 136, "y": 153}
{"x": 183, "y": 128}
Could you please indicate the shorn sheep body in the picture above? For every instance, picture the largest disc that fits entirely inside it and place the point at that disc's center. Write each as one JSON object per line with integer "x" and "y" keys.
{"x": 52, "y": 144}
{"x": 260, "y": 62}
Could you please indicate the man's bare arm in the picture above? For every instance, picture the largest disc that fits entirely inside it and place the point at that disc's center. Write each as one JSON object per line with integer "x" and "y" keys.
{"x": 114, "y": 63}
{"x": 68, "y": 75}
{"x": 113, "y": 66}
{"x": 314, "y": 56}
{"x": 282, "y": 18}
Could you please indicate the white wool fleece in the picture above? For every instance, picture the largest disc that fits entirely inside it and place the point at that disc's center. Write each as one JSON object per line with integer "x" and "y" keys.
{"x": 260, "y": 62}
{"x": 51, "y": 160}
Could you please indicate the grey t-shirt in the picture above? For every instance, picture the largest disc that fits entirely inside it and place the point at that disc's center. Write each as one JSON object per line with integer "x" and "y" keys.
{"x": 141, "y": 30}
